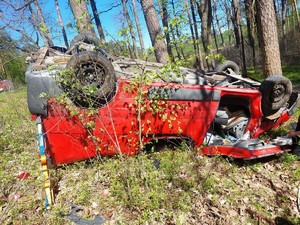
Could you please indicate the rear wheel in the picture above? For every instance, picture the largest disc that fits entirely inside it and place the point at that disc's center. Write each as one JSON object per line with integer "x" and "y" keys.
{"x": 227, "y": 66}
{"x": 276, "y": 91}
{"x": 91, "y": 80}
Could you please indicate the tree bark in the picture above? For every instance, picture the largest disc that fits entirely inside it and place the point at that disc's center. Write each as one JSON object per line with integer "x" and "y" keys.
{"x": 98, "y": 22}
{"x": 151, "y": 18}
{"x": 215, "y": 37}
{"x": 187, "y": 7}
{"x": 177, "y": 30}
{"x": 276, "y": 12}
{"x": 61, "y": 23}
{"x": 218, "y": 22}
{"x": 283, "y": 13}
{"x": 132, "y": 34}
{"x": 82, "y": 17}
{"x": 250, "y": 28}
{"x": 236, "y": 21}
{"x": 283, "y": 24}
{"x": 35, "y": 24}
{"x": 297, "y": 12}
{"x": 228, "y": 17}
{"x": 42, "y": 24}
{"x": 268, "y": 38}
{"x": 165, "y": 21}
{"x": 138, "y": 25}
{"x": 175, "y": 43}
{"x": 205, "y": 14}
{"x": 201, "y": 63}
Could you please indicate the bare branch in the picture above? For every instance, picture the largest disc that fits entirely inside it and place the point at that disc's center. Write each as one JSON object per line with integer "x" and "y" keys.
{"x": 112, "y": 7}
{"x": 20, "y": 7}
{"x": 21, "y": 32}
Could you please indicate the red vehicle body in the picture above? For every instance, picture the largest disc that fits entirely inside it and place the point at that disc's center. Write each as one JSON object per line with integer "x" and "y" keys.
{"x": 218, "y": 113}
{"x": 116, "y": 125}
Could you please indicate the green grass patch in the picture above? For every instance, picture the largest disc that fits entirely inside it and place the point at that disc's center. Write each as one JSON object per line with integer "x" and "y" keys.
{"x": 290, "y": 71}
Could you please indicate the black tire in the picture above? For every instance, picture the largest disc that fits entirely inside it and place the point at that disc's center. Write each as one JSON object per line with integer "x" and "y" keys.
{"x": 90, "y": 71}
{"x": 276, "y": 91}
{"x": 86, "y": 38}
{"x": 223, "y": 67}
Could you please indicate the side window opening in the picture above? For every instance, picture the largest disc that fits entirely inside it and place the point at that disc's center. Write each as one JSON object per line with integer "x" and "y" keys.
{"x": 230, "y": 121}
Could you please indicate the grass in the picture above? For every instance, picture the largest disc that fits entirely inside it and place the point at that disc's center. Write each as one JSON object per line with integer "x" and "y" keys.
{"x": 290, "y": 71}
{"x": 172, "y": 187}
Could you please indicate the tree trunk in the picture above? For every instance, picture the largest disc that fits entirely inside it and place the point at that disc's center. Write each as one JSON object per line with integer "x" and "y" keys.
{"x": 243, "y": 56}
{"x": 187, "y": 7}
{"x": 201, "y": 64}
{"x": 215, "y": 37}
{"x": 98, "y": 22}
{"x": 175, "y": 43}
{"x": 205, "y": 14}
{"x": 218, "y": 22}
{"x": 297, "y": 13}
{"x": 250, "y": 28}
{"x": 293, "y": 19}
{"x": 132, "y": 34}
{"x": 177, "y": 30}
{"x": 283, "y": 25}
{"x": 165, "y": 21}
{"x": 283, "y": 13}
{"x": 61, "y": 23}
{"x": 268, "y": 38}
{"x": 43, "y": 27}
{"x": 236, "y": 21}
{"x": 35, "y": 23}
{"x": 82, "y": 17}
{"x": 138, "y": 25}
{"x": 151, "y": 18}
{"x": 228, "y": 16}
{"x": 276, "y": 12}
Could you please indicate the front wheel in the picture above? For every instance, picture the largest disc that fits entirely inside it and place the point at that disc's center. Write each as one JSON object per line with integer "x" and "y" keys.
{"x": 91, "y": 80}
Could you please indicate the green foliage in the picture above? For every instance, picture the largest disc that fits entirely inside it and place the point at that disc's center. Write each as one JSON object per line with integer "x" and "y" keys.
{"x": 43, "y": 28}
{"x": 289, "y": 158}
{"x": 75, "y": 89}
{"x": 209, "y": 183}
{"x": 289, "y": 71}
{"x": 12, "y": 60}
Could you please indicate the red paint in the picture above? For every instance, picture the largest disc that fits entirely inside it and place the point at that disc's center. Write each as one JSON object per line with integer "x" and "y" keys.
{"x": 117, "y": 128}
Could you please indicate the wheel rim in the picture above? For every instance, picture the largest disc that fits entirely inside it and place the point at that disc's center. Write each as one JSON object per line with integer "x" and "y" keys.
{"x": 91, "y": 74}
{"x": 278, "y": 93}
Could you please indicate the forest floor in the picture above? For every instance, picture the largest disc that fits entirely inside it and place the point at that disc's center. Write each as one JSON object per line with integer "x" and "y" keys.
{"x": 175, "y": 186}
